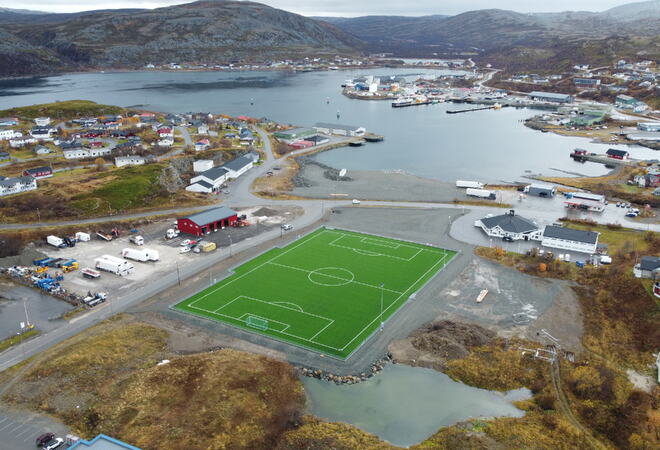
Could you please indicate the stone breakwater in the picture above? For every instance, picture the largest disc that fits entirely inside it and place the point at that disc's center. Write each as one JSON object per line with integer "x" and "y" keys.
{"x": 376, "y": 368}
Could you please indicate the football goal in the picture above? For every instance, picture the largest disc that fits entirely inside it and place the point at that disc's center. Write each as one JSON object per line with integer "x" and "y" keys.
{"x": 256, "y": 322}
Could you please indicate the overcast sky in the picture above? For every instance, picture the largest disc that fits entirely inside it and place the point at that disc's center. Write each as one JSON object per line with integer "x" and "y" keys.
{"x": 340, "y": 7}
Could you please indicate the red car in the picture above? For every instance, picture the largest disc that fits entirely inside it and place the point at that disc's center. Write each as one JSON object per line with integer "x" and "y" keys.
{"x": 44, "y": 438}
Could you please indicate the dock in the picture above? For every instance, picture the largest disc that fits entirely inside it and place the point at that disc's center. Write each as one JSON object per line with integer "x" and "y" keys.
{"x": 602, "y": 159}
{"x": 458, "y": 111}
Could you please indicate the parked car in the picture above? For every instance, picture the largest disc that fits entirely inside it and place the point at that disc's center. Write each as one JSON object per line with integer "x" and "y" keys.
{"x": 43, "y": 438}
{"x": 185, "y": 249}
{"x": 356, "y": 201}
{"x": 53, "y": 444}
{"x": 226, "y": 191}
{"x": 286, "y": 226}
{"x": 507, "y": 238}
{"x": 185, "y": 243}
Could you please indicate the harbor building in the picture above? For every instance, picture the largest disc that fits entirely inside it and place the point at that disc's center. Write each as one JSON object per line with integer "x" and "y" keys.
{"x": 552, "y": 97}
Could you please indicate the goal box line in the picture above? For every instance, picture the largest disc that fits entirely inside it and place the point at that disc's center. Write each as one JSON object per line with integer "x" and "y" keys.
{"x": 408, "y": 241}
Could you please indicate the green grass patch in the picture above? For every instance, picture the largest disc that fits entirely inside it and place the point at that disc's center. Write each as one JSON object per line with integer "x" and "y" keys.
{"x": 323, "y": 291}
{"x": 14, "y": 340}
{"x": 63, "y": 110}
{"x": 131, "y": 188}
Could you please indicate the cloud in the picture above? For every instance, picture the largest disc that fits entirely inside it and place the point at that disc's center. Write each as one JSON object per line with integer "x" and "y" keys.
{"x": 339, "y": 7}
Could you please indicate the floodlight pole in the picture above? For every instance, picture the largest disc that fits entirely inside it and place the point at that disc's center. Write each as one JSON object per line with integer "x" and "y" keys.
{"x": 381, "y": 305}
{"x": 178, "y": 275}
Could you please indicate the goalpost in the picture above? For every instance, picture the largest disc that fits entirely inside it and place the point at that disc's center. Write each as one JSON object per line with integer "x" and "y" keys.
{"x": 256, "y": 322}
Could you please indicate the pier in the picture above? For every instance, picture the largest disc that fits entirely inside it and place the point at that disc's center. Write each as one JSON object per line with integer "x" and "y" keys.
{"x": 458, "y": 111}
{"x": 581, "y": 156}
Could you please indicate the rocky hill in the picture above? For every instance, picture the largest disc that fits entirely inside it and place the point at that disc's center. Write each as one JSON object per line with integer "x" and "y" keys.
{"x": 493, "y": 33}
{"x": 204, "y": 31}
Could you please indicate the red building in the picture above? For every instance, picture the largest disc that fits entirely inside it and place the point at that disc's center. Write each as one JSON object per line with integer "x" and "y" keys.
{"x": 206, "y": 221}
{"x": 39, "y": 172}
{"x": 617, "y": 154}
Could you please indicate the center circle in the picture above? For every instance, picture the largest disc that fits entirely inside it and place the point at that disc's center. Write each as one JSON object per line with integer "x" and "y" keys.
{"x": 331, "y": 276}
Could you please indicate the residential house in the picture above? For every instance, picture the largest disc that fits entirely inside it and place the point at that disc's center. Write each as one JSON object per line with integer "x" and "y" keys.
{"x": 586, "y": 82}
{"x": 209, "y": 181}
{"x": 570, "y": 239}
{"x": 42, "y": 133}
{"x": 203, "y": 129}
{"x": 238, "y": 166}
{"x": 165, "y": 142}
{"x": 246, "y": 135}
{"x": 121, "y": 161}
{"x": 9, "y": 134}
{"x": 253, "y": 155}
{"x": 85, "y": 122}
{"x": 41, "y": 150}
{"x": 340, "y": 130}
{"x": 656, "y": 192}
{"x": 509, "y": 225}
{"x": 648, "y": 267}
{"x": 42, "y": 121}
{"x": 9, "y": 186}
{"x": 617, "y": 154}
{"x": 82, "y": 153}
{"x": 539, "y": 190}
{"x": 4, "y": 156}
{"x": 202, "y": 144}
{"x": 20, "y": 142}
{"x": 165, "y": 132}
{"x": 39, "y": 172}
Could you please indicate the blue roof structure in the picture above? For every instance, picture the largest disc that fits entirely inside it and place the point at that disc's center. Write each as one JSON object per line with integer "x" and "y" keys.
{"x": 103, "y": 442}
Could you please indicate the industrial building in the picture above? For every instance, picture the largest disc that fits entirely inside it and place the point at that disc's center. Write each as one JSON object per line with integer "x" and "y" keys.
{"x": 340, "y": 130}
{"x": 585, "y": 201}
{"x": 509, "y": 225}
{"x": 209, "y": 181}
{"x": 294, "y": 134}
{"x": 206, "y": 221}
{"x": 539, "y": 190}
{"x": 570, "y": 239}
{"x": 551, "y": 97}
{"x": 617, "y": 154}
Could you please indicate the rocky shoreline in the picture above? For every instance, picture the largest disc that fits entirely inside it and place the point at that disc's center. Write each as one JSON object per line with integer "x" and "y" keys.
{"x": 376, "y": 367}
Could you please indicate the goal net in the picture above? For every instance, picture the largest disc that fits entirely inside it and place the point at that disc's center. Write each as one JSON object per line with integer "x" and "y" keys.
{"x": 256, "y": 322}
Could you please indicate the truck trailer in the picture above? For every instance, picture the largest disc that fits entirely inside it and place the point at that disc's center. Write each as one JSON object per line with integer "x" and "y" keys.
{"x": 469, "y": 184}
{"x": 55, "y": 241}
{"x": 142, "y": 255}
{"x": 481, "y": 193}
{"x": 111, "y": 264}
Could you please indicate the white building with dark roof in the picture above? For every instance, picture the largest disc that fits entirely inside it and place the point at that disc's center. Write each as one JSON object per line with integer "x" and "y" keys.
{"x": 570, "y": 239}
{"x": 341, "y": 130}
{"x": 9, "y": 186}
{"x": 648, "y": 267}
{"x": 209, "y": 181}
{"x": 511, "y": 226}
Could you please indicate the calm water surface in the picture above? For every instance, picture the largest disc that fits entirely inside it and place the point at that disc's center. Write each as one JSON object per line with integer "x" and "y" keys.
{"x": 485, "y": 145}
{"x": 405, "y": 405}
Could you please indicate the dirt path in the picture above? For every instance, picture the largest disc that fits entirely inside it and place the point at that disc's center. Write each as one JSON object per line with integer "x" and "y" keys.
{"x": 566, "y": 409}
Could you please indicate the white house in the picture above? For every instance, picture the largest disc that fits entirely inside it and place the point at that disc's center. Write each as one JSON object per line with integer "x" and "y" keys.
{"x": 41, "y": 150}
{"x": 121, "y": 161}
{"x": 166, "y": 142}
{"x": 570, "y": 239}
{"x": 511, "y": 226}
{"x": 42, "y": 133}
{"x": 9, "y": 134}
{"x": 202, "y": 144}
{"x": 16, "y": 185}
{"x": 81, "y": 153}
{"x": 203, "y": 129}
{"x": 202, "y": 165}
{"x": 648, "y": 267}
{"x": 238, "y": 166}
{"x": 209, "y": 181}
{"x": 341, "y": 130}
{"x": 42, "y": 121}
{"x": 20, "y": 142}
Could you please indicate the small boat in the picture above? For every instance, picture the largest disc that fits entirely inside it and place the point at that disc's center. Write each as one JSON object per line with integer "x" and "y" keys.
{"x": 482, "y": 295}
{"x": 356, "y": 143}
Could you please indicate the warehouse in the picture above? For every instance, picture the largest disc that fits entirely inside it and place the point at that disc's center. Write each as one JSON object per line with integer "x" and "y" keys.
{"x": 510, "y": 226}
{"x": 340, "y": 130}
{"x": 294, "y": 134}
{"x": 570, "y": 239}
{"x": 551, "y": 97}
{"x": 539, "y": 190}
{"x": 206, "y": 221}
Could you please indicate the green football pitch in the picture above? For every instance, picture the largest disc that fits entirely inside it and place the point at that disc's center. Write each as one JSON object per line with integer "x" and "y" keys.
{"x": 323, "y": 291}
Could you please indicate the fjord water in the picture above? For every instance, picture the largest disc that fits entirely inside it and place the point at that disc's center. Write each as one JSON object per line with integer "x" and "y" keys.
{"x": 405, "y": 405}
{"x": 486, "y": 145}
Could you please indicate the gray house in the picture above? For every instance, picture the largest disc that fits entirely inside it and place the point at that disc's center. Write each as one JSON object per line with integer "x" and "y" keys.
{"x": 509, "y": 225}
{"x": 648, "y": 267}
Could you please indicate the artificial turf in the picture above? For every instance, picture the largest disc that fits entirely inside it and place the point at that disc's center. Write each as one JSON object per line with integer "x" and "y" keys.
{"x": 323, "y": 291}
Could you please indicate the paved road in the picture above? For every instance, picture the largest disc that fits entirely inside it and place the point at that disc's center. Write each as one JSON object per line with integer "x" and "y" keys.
{"x": 186, "y": 135}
